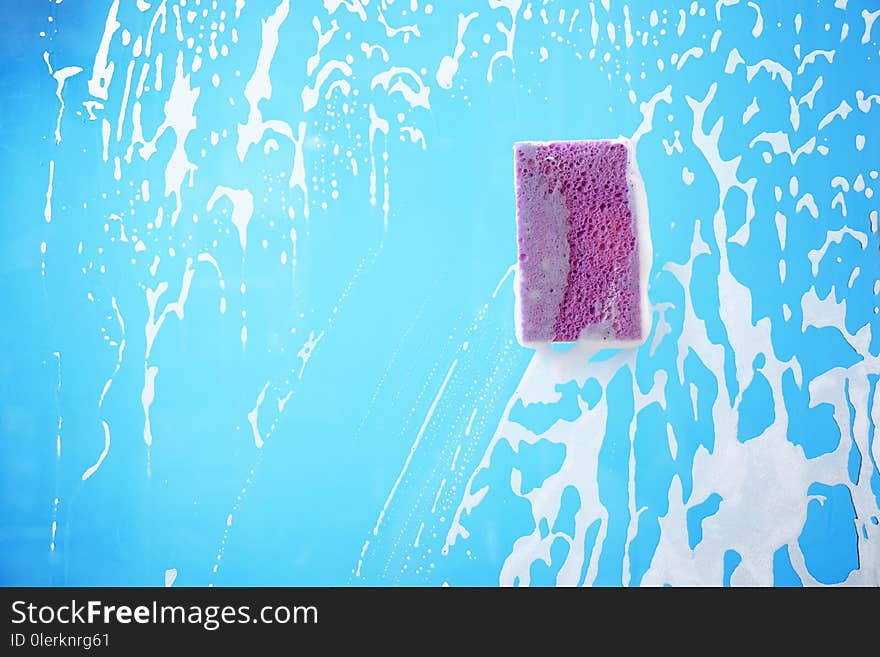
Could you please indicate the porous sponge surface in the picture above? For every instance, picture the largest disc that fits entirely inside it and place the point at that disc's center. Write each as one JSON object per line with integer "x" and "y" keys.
{"x": 578, "y": 256}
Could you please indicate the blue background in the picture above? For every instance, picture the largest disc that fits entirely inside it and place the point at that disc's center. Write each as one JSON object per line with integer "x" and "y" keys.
{"x": 416, "y": 413}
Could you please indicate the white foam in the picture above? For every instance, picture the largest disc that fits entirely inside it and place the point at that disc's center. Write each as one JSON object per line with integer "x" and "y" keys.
{"x": 594, "y": 25}
{"x": 120, "y": 351}
{"x": 368, "y": 50}
{"x": 807, "y": 99}
{"x": 323, "y": 39}
{"x": 774, "y": 68}
{"x": 812, "y": 56}
{"x": 835, "y": 237}
{"x": 377, "y": 124}
{"x": 151, "y": 331}
{"x": 843, "y": 110}
{"x": 695, "y": 51}
{"x": 180, "y": 118}
{"x": 512, "y": 6}
{"x": 638, "y": 202}
{"x": 310, "y": 94}
{"x": 869, "y": 18}
{"x": 412, "y": 450}
{"x": 353, "y": 6}
{"x": 61, "y": 76}
{"x": 780, "y": 143}
{"x": 259, "y": 88}
{"x": 47, "y": 209}
{"x": 242, "y": 209}
{"x": 148, "y": 394}
{"x": 102, "y": 70}
{"x": 253, "y": 417}
{"x": 759, "y": 20}
{"x": 307, "y": 350}
{"x": 406, "y": 30}
{"x": 781, "y": 226}
{"x": 417, "y": 96}
{"x": 864, "y": 102}
{"x": 124, "y": 105}
{"x": 449, "y": 65}
{"x": 415, "y": 135}
{"x": 807, "y": 201}
{"x": 207, "y": 257}
{"x": 94, "y": 468}
{"x": 751, "y": 110}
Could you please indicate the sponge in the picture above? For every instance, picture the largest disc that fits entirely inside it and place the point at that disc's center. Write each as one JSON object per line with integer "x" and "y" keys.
{"x": 584, "y": 244}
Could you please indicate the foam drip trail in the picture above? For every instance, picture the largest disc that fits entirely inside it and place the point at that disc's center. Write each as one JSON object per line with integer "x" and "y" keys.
{"x": 283, "y": 393}
{"x": 207, "y": 257}
{"x": 655, "y": 395}
{"x": 102, "y": 70}
{"x": 377, "y": 124}
{"x": 47, "y": 212}
{"x": 120, "y": 345}
{"x": 242, "y": 209}
{"x": 56, "y": 503}
{"x": 242, "y": 212}
{"x": 435, "y": 496}
{"x": 61, "y": 76}
{"x": 47, "y": 215}
{"x": 253, "y": 417}
{"x": 151, "y": 331}
{"x": 414, "y": 447}
{"x": 54, "y": 532}
{"x": 449, "y": 65}
{"x": 509, "y": 33}
{"x": 259, "y": 88}
{"x": 94, "y": 468}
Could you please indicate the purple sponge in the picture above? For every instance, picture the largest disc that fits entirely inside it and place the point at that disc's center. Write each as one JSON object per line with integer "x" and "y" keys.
{"x": 584, "y": 243}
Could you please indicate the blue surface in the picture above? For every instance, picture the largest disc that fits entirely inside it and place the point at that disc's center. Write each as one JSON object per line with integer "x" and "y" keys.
{"x": 378, "y": 423}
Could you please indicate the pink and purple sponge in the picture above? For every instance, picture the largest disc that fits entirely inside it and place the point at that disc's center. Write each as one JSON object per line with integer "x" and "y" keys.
{"x": 584, "y": 243}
